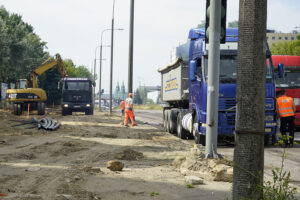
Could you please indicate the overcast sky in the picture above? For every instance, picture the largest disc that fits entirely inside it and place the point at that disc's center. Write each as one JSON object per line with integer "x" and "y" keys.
{"x": 73, "y": 28}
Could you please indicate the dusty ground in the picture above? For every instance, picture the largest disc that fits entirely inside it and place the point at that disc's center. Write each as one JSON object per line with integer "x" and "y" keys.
{"x": 64, "y": 164}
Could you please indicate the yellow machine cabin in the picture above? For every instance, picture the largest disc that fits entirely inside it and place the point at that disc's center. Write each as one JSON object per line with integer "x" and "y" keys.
{"x": 28, "y": 91}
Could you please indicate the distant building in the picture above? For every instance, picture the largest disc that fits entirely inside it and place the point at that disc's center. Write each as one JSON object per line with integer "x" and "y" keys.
{"x": 273, "y": 37}
{"x": 120, "y": 93}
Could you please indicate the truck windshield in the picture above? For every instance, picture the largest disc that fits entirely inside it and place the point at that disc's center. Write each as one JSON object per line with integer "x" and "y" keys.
{"x": 72, "y": 85}
{"x": 290, "y": 79}
{"x": 228, "y": 65}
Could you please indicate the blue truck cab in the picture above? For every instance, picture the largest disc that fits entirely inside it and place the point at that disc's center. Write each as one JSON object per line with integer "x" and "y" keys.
{"x": 190, "y": 117}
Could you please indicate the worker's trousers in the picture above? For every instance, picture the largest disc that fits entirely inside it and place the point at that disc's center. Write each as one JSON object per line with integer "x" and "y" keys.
{"x": 129, "y": 114}
{"x": 287, "y": 124}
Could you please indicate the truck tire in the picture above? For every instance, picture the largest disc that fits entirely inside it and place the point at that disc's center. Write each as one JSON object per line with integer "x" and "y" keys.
{"x": 89, "y": 112}
{"x": 181, "y": 133}
{"x": 172, "y": 116}
{"x": 63, "y": 112}
{"x": 165, "y": 119}
{"x": 269, "y": 140}
{"x": 41, "y": 108}
{"x": 15, "y": 109}
{"x": 18, "y": 109}
{"x": 195, "y": 131}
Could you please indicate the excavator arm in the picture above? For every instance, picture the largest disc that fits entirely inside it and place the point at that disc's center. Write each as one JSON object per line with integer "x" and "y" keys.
{"x": 32, "y": 79}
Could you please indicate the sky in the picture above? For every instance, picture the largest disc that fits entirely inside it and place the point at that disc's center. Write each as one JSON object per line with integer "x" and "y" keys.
{"x": 73, "y": 29}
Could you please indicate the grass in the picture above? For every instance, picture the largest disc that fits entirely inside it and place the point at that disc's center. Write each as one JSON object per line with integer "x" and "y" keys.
{"x": 154, "y": 193}
{"x": 190, "y": 186}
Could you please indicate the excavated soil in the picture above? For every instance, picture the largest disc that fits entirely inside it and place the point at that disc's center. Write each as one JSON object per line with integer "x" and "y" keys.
{"x": 70, "y": 163}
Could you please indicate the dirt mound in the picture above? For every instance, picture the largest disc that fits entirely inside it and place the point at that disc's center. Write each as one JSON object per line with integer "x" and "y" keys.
{"x": 129, "y": 154}
{"x": 208, "y": 169}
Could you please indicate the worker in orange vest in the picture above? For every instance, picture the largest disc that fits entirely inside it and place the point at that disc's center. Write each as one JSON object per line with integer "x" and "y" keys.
{"x": 286, "y": 111}
{"x": 122, "y": 104}
{"x": 129, "y": 110}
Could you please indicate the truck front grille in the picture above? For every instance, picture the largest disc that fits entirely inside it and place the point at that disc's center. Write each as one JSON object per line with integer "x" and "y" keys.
{"x": 227, "y": 104}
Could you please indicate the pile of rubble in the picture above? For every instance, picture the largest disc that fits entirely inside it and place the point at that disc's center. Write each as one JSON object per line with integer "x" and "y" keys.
{"x": 194, "y": 164}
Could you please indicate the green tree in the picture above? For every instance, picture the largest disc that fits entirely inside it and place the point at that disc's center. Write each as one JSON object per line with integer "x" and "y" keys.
{"x": 202, "y": 25}
{"x": 21, "y": 49}
{"x": 286, "y": 48}
{"x": 137, "y": 98}
{"x": 233, "y": 24}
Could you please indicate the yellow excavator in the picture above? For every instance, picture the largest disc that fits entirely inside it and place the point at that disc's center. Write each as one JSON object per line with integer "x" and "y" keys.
{"x": 28, "y": 92}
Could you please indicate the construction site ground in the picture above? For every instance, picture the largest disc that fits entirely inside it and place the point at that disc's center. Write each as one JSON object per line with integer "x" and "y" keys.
{"x": 70, "y": 163}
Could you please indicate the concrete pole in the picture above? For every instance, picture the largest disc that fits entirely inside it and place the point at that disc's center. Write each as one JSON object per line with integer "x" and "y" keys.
{"x": 213, "y": 79}
{"x": 111, "y": 60}
{"x": 130, "y": 59}
{"x": 94, "y": 93}
{"x": 100, "y": 75}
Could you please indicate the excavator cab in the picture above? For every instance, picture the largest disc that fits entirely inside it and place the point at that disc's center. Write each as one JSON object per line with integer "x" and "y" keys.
{"x": 21, "y": 83}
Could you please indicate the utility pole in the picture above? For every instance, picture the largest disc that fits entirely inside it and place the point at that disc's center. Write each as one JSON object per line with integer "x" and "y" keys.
{"x": 130, "y": 59}
{"x": 111, "y": 59}
{"x": 248, "y": 170}
{"x": 100, "y": 75}
{"x": 213, "y": 79}
{"x": 100, "y": 70}
{"x": 94, "y": 98}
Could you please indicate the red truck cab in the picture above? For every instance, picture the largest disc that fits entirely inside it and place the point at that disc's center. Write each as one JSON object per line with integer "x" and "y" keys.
{"x": 290, "y": 80}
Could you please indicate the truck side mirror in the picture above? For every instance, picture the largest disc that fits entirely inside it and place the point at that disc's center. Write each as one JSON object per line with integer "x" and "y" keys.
{"x": 280, "y": 72}
{"x": 193, "y": 70}
{"x": 102, "y": 91}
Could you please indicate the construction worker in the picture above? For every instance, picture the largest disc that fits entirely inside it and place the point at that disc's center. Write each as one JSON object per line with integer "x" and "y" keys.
{"x": 286, "y": 111}
{"x": 129, "y": 110}
{"x": 122, "y": 104}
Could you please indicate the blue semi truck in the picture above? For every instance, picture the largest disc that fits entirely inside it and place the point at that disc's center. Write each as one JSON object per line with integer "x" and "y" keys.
{"x": 184, "y": 88}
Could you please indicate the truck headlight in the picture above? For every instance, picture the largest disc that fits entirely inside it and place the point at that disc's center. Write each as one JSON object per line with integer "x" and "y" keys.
{"x": 66, "y": 105}
{"x": 269, "y": 118}
{"x": 88, "y": 105}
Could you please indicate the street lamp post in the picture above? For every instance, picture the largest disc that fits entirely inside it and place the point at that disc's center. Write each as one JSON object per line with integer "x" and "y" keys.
{"x": 95, "y": 61}
{"x": 130, "y": 57}
{"x": 100, "y": 70}
{"x": 111, "y": 58}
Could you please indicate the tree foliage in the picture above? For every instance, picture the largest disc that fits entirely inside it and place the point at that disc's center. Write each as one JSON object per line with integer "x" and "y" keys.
{"x": 286, "y": 48}
{"x": 22, "y": 50}
{"x": 233, "y": 24}
{"x": 137, "y": 97}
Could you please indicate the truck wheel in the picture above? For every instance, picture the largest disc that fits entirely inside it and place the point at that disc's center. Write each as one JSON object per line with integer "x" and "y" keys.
{"x": 165, "y": 120}
{"x": 195, "y": 131}
{"x": 89, "y": 112}
{"x": 63, "y": 112}
{"x": 181, "y": 133}
{"x": 15, "y": 106}
{"x": 18, "y": 109}
{"x": 41, "y": 108}
{"x": 172, "y": 116}
{"x": 202, "y": 139}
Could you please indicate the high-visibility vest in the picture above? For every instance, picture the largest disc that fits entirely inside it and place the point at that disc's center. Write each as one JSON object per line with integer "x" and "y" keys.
{"x": 285, "y": 106}
{"x": 122, "y": 105}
